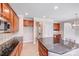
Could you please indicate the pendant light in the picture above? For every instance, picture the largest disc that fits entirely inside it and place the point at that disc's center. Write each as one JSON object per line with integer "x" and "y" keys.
{"x": 76, "y": 21}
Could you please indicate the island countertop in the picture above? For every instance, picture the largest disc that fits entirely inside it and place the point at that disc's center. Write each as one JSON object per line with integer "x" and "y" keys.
{"x": 47, "y": 42}
{"x": 57, "y": 48}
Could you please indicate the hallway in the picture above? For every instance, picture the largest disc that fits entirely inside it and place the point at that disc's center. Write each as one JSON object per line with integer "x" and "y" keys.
{"x": 29, "y": 49}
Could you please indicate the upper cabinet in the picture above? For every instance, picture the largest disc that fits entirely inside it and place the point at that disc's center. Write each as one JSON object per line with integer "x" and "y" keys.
{"x": 56, "y": 26}
{"x": 15, "y": 23}
{"x": 28, "y": 22}
{"x": 11, "y": 17}
{"x": 6, "y": 12}
{"x": 0, "y": 8}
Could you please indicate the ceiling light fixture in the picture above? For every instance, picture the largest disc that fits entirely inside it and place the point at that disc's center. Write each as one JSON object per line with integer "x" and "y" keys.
{"x": 44, "y": 16}
{"x": 26, "y": 13}
{"x": 76, "y": 21}
{"x": 56, "y": 7}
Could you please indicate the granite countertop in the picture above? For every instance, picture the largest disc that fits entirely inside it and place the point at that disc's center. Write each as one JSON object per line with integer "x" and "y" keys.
{"x": 54, "y": 48}
{"x": 7, "y": 46}
{"x": 2, "y": 41}
{"x": 47, "y": 42}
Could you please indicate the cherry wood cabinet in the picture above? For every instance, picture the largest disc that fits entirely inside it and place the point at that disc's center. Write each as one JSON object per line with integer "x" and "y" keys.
{"x": 9, "y": 14}
{"x": 57, "y": 38}
{"x": 28, "y": 23}
{"x": 0, "y": 9}
{"x": 12, "y": 21}
{"x": 0, "y": 6}
{"x": 17, "y": 50}
{"x": 56, "y": 26}
{"x": 15, "y": 23}
{"x": 6, "y": 12}
{"x": 43, "y": 51}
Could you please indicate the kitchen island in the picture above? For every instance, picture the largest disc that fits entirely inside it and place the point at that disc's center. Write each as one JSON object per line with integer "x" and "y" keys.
{"x": 46, "y": 46}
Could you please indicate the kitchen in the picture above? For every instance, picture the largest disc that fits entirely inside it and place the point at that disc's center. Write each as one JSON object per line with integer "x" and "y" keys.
{"x": 50, "y": 31}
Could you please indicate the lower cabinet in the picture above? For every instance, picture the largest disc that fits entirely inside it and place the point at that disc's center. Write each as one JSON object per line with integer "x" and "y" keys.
{"x": 43, "y": 51}
{"x": 57, "y": 38}
{"x": 17, "y": 50}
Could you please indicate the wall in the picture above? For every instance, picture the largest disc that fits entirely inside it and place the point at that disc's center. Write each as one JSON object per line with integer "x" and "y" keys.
{"x": 77, "y": 34}
{"x": 47, "y": 27}
{"x": 28, "y": 34}
{"x": 20, "y": 32}
{"x": 70, "y": 32}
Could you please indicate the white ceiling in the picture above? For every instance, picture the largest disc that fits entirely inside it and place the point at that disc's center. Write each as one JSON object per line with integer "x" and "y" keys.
{"x": 65, "y": 11}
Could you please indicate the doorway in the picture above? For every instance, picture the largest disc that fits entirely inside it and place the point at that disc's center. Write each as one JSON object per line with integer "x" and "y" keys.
{"x": 28, "y": 31}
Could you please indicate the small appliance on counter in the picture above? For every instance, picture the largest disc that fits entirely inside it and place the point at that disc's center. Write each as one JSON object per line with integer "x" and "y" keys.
{"x": 4, "y": 25}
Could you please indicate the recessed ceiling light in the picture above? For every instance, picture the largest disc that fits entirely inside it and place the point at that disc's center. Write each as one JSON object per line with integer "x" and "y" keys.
{"x": 26, "y": 13}
{"x": 44, "y": 16}
{"x": 56, "y": 7}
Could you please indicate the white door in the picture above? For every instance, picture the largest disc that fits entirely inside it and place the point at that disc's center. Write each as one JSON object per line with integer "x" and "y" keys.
{"x": 28, "y": 34}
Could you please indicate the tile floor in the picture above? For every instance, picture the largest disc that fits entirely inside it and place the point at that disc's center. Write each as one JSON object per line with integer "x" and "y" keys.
{"x": 29, "y": 49}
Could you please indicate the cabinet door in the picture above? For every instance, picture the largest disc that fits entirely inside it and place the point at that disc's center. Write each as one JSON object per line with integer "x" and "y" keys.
{"x": 6, "y": 12}
{"x": 11, "y": 20}
{"x": 57, "y": 38}
{"x": 0, "y": 9}
{"x": 28, "y": 23}
{"x": 56, "y": 26}
{"x": 15, "y": 23}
